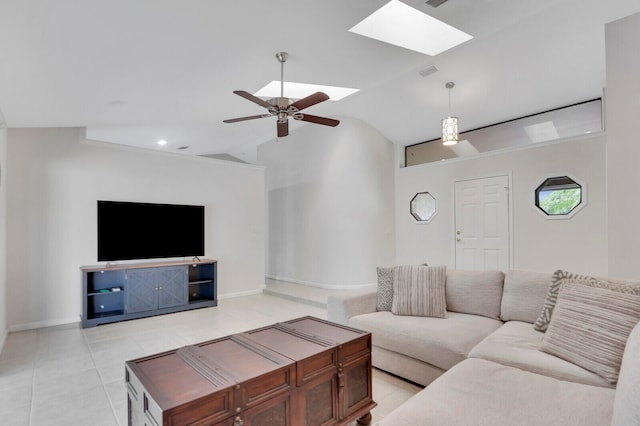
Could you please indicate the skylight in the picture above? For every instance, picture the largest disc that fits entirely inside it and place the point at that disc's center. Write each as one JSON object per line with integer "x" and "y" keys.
{"x": 301, "y": 90}
{"x": 401, "y": 25}
{"x": 542, "y": 132}
{"x": 464, "y": 148}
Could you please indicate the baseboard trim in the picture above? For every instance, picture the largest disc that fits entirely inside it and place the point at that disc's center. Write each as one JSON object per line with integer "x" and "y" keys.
{"x": 239, "y": 294}
{"x": 295, "y": 298}
{"x": 41, "y": 324}
{"x": 52, "y": 323}
{"x": 3, "y": 339}
{"x": 322, "y": 285}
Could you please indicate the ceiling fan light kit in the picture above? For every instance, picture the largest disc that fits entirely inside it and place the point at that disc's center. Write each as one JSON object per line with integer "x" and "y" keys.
{"x": 282, "y": 107}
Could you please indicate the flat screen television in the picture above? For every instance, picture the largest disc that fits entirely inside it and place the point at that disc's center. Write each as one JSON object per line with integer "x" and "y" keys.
{"x": 128, "y": 231}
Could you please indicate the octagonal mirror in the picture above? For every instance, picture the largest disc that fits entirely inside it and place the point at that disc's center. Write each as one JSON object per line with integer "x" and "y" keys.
{"x": 423, "y": 207}
{"x": 559, "y": 196}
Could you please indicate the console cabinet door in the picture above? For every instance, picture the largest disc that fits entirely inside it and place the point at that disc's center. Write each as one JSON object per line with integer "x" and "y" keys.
{"x": 172, "y": 286}
{"x": 141, "y": 290}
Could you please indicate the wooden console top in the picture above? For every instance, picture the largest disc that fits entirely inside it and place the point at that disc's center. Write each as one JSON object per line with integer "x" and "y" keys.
{"x": 138, "y": 265}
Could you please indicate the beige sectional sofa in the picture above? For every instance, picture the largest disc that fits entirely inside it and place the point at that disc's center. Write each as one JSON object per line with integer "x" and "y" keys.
{"x": 485, "y": 360}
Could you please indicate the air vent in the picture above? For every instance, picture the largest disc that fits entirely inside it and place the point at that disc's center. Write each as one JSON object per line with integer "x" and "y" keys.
{"x": 435, "y": 3}
{"x": 428, "y": 71}
{"x": 183, "y": 147}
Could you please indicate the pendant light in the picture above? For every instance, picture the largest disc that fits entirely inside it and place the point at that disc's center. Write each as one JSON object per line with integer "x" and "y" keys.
{"x": 450, "y": 124}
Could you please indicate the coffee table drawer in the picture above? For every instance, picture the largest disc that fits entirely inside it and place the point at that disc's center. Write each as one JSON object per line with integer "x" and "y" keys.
{"x": 325, "y": 362}
{"x": 355, "y": 349}
{"x": 255, "y": 391}
{"x": 206, "y": 411}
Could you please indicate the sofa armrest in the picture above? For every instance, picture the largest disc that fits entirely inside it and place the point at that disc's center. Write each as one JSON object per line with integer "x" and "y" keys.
{"x": 342, "y": 306}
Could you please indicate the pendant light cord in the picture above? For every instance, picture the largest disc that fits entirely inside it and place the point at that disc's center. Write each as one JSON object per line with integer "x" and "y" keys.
{"x": 450, "y": 86}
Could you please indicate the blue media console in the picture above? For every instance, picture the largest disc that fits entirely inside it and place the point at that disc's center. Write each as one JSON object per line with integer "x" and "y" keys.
{"x": 137, "y": 290}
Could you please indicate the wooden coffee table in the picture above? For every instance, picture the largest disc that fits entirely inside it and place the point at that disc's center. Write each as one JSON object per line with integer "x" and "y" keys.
{"x": 306, "y": 371}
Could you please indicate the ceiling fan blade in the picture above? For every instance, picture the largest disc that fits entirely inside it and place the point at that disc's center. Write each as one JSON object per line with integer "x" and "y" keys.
{"x": 319, "y": 120}
{"x": 310, "y": 100}
{"x": 283, "y": 129}
{"x": 252, "y": 98}
{"x": 250, "y": 117}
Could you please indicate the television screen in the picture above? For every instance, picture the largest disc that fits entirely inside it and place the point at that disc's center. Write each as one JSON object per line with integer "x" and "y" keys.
{"x": 149, "y": 231}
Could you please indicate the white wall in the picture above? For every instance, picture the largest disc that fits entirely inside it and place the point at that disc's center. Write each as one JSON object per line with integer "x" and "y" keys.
{"x": 56, "y": 176}
{"x": 578, "y": 244}
{"x": 623, "y": 146}
{"x": 3, "y": 232}
{"x": 330, "y": 198}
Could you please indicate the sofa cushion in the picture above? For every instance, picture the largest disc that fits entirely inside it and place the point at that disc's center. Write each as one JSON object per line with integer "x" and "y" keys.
{"x": 403, "y": 366}
{"x": 517, "y": 344}
{"x": 439, "y": 342}
{"x": 384, "y": 295}
{"x": 561, "y": 277}
{"x": 419, "y": 291}
{"x": 590, "y": 327}
{"x": 483, "y": 393}
{"x": 523, "y": 295}
{"x": 626, "y": 408}
{"x": 475, "y": 292}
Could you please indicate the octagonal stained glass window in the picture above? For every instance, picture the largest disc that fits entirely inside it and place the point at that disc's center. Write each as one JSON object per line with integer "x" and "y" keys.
{"x": 423, "y": 207}
{"x": 559, "y": 196}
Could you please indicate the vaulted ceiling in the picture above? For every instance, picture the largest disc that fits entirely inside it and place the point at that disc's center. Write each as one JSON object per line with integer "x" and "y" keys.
{"x": 133, "y": 72}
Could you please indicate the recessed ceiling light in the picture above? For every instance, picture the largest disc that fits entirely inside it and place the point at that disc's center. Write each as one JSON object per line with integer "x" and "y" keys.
{"x": 300, "y": 90}
{"x": 401, "y": 25}
{"x": 162, "y": 142}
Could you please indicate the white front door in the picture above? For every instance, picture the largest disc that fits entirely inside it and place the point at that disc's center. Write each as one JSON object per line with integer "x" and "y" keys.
{"x": 482, "y": 223}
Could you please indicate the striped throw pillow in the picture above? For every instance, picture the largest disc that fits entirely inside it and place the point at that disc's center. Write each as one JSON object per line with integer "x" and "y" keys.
{"x": 561, "y": 277}
{"x": 590, "y": 327}
{"x": 419, "y": 291}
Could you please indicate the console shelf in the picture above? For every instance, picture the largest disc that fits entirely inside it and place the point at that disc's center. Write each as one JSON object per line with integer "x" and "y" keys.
{"x": 107, "y": 291}
{"x": 200, "y": 282}
{"x": 137, "y": 290}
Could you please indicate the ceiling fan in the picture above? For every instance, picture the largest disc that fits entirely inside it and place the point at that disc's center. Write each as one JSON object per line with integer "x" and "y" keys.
{"x": 282, "y": 108}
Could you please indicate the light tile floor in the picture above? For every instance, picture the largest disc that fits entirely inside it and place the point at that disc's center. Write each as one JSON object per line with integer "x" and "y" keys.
{"x": 69, "y": 376}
